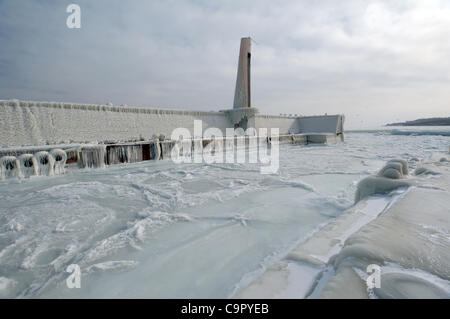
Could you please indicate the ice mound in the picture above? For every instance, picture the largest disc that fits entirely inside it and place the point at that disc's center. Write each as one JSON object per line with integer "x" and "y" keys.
{"x": 391, "y": 170}
{"x": 413, "y": 233}
{"x": 385, "y": 181}
{"x": 425, "y": 225}
{"x": 394, "y": 169}
{"x": 407, "y": 235}
{"x": 378, "y": 185}
{"x": 424, "y": 171}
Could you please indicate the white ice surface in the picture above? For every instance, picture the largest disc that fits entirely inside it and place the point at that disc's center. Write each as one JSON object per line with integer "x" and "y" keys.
{"x": 157, "y": 229}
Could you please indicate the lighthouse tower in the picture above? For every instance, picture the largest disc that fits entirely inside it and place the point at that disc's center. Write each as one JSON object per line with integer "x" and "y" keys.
{"x": 242, "y": 94}
{"x": 242, "y": 115}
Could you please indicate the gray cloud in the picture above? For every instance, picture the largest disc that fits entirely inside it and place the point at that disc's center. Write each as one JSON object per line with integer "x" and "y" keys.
{"x": 375, "y": 61}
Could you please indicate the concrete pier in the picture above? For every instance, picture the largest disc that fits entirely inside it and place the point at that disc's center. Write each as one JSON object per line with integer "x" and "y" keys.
{"x": 101, "y": 135}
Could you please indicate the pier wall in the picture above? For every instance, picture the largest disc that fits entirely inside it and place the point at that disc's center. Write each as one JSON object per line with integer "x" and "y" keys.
{"x": 32, "y": 123}
{"x": 321, "y": 124}
{"x": 286, "y": 125}
{"x": 40, "y": 123}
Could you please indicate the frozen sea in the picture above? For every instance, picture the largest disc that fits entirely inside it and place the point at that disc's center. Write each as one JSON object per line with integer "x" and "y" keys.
{"x": 166, "y": 230}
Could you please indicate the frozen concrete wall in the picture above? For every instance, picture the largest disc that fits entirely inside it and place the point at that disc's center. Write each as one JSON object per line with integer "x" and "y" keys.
{"x": 33, "y": 123}
{"x": 40, "y": 123}
{"x": 321, "y": 124}
{"x": 285, "y": 124}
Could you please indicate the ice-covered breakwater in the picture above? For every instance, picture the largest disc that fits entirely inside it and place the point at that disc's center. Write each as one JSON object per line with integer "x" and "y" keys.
{"x": 39, "y": 138}
{"x": 41, "y": 123}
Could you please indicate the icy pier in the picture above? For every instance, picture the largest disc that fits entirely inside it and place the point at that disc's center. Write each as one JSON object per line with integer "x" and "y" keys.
{"x": 100, "y": 135}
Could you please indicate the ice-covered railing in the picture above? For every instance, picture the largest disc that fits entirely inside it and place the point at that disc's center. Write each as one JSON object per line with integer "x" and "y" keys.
{"x": 24, "y": 162}
{"x": 108, "y": 108}
{"x": 42, "y": 163}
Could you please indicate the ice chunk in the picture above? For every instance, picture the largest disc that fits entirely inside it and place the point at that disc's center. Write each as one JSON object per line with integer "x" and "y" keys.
{"x": 404, "y": 165}
{"x": 424, "y": 171}
{"x": 394, "y": 169}
{"x": 377, "y": 185}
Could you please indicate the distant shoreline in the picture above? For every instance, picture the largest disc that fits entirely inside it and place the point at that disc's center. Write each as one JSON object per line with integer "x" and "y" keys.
{"x": 435, "y": 121}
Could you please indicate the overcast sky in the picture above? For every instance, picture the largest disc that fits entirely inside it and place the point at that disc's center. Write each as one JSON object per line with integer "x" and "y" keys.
{"x": 374, "y": 61}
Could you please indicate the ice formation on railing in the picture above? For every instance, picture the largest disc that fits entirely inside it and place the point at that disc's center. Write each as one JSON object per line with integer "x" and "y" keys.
{"x": 155, "y": 150}
{"x": 50, "y": 161}
{"x": 60, "y": 158}
{"x": 92, "y": 156}
{"x": 9, "y": 167}
{"x": 46, "y": 163}
{"x": 125, "y": 154}
{"x": 28, "y": 165}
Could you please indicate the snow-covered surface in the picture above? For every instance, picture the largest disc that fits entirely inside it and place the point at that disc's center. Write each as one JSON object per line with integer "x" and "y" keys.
{"x": 406, "y": 233}
{"x": 412, "y": 235}
{"x": 158, "y": 229}
{"x": 309, "y": 260}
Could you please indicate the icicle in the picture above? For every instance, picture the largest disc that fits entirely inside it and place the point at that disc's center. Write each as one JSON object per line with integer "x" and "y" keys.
{"x": 72, "y": 154}
{"x": 115, "y": 155}
{"x": 197, "y": 146}
{"x": 45, "y": 163}
{"x": 92, "y": 156}
{"x": 218, "y": 145}
{"x": 28, "y": 165}
{"x": 60, "y": 158}
{"x": 155, "y": 150}
{"x": 125, "y": 154}
{"x": 133, "y": 153}
{"x": 9, "y": 167}
{"x": 166, "y": 148}
{"x": 185, "y": 148}
{"x": 229, "y": 144}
